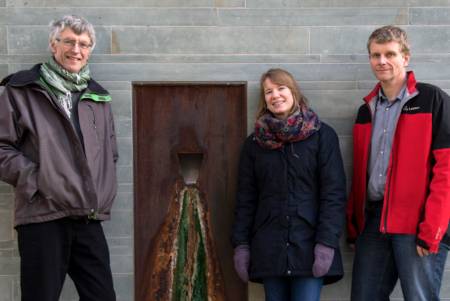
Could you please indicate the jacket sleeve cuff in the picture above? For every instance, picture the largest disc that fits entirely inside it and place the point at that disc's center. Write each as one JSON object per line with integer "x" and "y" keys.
{"x": 328, "y": 240}
{"x": 433, "y": 248}
{"x": 239, "y": 243}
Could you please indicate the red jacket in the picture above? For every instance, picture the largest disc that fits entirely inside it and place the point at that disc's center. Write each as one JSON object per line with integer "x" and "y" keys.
{"x": 417, "y": 193}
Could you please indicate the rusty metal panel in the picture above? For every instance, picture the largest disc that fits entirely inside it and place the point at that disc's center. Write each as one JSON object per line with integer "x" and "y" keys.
{"x": 178, "y": 126}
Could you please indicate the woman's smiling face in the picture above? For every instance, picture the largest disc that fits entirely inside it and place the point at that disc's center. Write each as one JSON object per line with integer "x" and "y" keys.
{"x": 279, "y": 99}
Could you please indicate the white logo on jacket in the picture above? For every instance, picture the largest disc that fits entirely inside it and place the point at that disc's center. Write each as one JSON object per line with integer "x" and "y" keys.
{"x": 409, "y": 109}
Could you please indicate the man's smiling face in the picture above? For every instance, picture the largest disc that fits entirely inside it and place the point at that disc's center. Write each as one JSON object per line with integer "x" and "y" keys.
{"x": 71, "y": 50}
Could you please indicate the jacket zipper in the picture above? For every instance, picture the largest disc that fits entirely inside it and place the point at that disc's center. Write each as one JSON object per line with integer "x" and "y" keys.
{"x": 389, "y": 176}
{"x": 386, "y": 197}
{"x": 92, "y": 211}
{"x": 58, "y": 108}
{"x": 286, "y": 202}
{"x": 94, "y": 122}
{"x": 367, "y": 163}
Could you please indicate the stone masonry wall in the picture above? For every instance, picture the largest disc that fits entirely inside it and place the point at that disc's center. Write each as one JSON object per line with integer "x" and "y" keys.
{"x": 322, "y": 42}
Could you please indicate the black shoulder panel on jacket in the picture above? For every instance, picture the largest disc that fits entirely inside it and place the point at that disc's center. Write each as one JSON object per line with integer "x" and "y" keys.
{"x": 429, "y": 96}
{"x": 426, "y": 89}
{"x": 364, "y": 115}
{"x": 96, "y": 87}
{"x": 6, "y": 80}
{"x": 439, "y": 105}
{"x": 22, "y": 78}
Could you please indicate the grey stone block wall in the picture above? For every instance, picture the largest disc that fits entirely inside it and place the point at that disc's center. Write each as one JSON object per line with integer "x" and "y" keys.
{"x": 322, "y": 42}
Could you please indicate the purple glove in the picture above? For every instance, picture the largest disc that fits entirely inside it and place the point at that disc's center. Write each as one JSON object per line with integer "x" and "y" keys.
{"x": 242, "y": 261}
{"x": 323, "y": 258}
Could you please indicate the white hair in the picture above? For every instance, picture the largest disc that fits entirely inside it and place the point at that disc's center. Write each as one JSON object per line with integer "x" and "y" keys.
{"x": 77, "y": 24}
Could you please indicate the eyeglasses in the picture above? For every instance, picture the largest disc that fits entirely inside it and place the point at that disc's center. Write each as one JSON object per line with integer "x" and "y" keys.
{"x": 73, "y": 43}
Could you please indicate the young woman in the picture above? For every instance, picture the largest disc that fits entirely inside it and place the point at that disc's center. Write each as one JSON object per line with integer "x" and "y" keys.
{"x": 290, "y": 204}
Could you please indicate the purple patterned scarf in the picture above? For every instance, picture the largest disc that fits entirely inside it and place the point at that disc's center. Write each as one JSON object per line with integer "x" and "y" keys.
{"x": 272, "y": 133}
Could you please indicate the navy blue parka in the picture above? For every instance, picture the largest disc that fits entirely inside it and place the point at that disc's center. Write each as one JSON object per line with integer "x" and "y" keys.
{"x": 288, "y": 200}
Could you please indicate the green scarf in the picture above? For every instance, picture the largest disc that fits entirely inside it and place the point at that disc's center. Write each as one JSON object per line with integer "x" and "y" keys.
{"x": 60, "y": 82}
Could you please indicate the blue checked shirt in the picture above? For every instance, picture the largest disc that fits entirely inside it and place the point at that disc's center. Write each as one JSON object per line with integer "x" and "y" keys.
{"x": 384, "y": 123}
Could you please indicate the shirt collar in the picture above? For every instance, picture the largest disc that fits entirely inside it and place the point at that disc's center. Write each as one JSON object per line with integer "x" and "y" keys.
{"x": 400, "y": 96}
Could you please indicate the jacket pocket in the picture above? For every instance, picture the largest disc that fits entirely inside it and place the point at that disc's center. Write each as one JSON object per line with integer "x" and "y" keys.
{"x": 27, "y": 185}
{"x": 303, "y": 227}
{"x": 262, "y": 218}
{"x": 308, "y": 213}
{"x": 92, "y": 124}
{"x": 265, "y": 216}
{"x": 96, "y": 123}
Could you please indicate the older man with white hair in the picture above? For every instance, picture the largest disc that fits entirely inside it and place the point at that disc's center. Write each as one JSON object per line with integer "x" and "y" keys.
{"x": 58, "y": 149}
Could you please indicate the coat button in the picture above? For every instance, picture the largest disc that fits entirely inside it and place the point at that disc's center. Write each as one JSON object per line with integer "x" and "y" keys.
{"x": 288, "y": 272}
{"x": 287, "y": 244}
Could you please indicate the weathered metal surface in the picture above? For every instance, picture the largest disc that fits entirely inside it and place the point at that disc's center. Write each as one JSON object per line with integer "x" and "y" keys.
{"x": 185, "y": 263}
{"x": 169, "y": 120}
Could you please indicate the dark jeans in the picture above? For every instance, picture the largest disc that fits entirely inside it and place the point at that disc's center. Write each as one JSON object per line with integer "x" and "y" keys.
{"x": 381, "y": 259}
{"x": 292, "y": 288}
{"x": 50, "y": 250}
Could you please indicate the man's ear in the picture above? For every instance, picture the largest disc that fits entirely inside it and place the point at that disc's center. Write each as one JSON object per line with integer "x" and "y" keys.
{"x": 52, "y": 46}
{"x": 406, "y": 58}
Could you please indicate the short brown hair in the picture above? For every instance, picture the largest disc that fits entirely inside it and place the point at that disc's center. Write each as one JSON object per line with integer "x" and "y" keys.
{"x": 388, "y": 34}
{"x": 280, "y": 77}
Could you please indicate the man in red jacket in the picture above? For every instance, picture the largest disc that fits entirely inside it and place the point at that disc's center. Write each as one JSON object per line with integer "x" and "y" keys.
{"x": 399, "y": 207}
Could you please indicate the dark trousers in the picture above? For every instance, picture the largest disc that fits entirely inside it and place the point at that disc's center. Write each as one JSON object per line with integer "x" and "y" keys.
{"x": 50, "y": 250}
{"x": 382, "y": 259}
